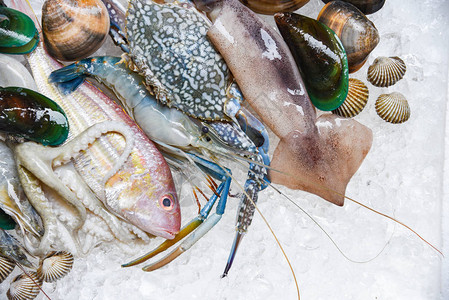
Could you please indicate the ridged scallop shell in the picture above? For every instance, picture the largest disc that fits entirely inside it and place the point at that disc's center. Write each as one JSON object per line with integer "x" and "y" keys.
{"x": 270, "y": 7}
{"x": 356, "y": 100}
{"x": 74, "y": 30}
{"x": 357, "y": 33}
{"x": 393, "y": 108}
{"x": 55, "y": 266}
{"x": 386, "y": 71}
{"x": 23, "y": 288}
{"x": 6, "y": 267}
{"x": 365, "y": 6}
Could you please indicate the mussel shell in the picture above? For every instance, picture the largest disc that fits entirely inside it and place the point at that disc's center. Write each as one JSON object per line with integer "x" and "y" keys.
{"x": 393, "y": 108}
{"x": 357, "y": 33}
{"x": 55, "y": 266}
{"x": 24, "y": 288}
{"x": 18, "y": 35}
{"x": 356, "y": 100}
{"x": 365, "y": 6}
{"x": 270, "y": 7}
{"x": 6, "y": 267}
{"x": 28, "y": 114}
{"x": 386, "y": 71}
{"x": 6, "y": 222}
{"x": 320, "y": 57}
{"x": 74, "y": 30}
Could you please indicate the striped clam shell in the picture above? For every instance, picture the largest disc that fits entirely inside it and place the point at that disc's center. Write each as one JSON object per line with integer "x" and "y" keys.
{"x": 55, "y": 266}
{"x": 386, "y": 71}
{"x": 6, "y": 267}
{"x": 393, "y": 108}
{"x": 24, "y": 288}
{"x": 355, "y": 101}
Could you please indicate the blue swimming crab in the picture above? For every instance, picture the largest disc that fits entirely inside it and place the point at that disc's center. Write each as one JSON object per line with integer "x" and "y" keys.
{"x": 168, "y": 46}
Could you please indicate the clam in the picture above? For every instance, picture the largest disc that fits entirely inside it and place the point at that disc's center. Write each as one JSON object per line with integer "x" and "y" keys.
{"x": 365, "y": 6}
{"x": 270, "y": 7}
{"x": 393, "y": 108}
{"x": 356, "y": 100}
{"x": 55, "y": 266}
{"x": 320, "y": 57}
{"x": 18, "y": 35}
{"x": 386, "y": 71}
{"x": 358, "y": 34}
{"x": 73, "y": 29}
{"x": 31, "y": 115}
{"x": 13, "y": 73}
{"x": 6, "y": 267}
{"x": 24, "y": 287}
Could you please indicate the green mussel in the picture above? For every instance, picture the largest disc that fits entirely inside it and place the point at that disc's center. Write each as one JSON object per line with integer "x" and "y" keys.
{"x": 6, "y": 222}
{"x": 28, "y": 114}
{"x": 320, "y": 57}
{"x": 18, "y": 35}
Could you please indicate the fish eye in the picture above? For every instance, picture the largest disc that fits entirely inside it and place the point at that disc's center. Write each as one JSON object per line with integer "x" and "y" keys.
{"x": 167, "y": 202}
{"x": 204, "y": 129}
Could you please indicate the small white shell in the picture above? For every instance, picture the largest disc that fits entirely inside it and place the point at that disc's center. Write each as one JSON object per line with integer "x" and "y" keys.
{"x": 355, "y": 101}
{"x": 386, "y": 71}
{"x": 6, "y": 267}
{"x": 393, "y": 108}
{"x": 55, "y": 266}
{"x": 23, "y": 288}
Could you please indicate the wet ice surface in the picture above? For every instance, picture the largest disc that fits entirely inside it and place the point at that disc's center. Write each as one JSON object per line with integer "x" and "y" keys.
{"x": 402, "y": 176}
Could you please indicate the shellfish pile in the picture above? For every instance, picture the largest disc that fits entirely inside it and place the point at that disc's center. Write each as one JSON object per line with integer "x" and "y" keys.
{"x": 98, "y": 273}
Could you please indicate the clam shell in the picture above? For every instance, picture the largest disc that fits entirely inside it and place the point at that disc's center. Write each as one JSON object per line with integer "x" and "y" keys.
{"x": 270, "y": 7}
{"x": 74, "y": 30}
{"x": 6, "y": 267}
{"x": 357, "y": 33}
{"x": 386, "y": 71}
{"x": 365, "y": 6}
{"x": 393, "y": 108}
{"x": 55, "y": 266}
{"x": 356, "y": 100}
{"x": 23, "y": 288}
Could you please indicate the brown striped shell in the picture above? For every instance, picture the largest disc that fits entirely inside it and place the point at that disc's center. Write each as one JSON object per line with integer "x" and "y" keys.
{"x": 365, "y": 6}
{"x": 74, "y": 29}
{"x": 55, "y": 266}
{"x": 6, "y": 267}
{"x": 386, "y": 71}
{"x": 24, "y": 288}
{"x": 355, "y": 101}
{"x": 357, "y": 33}
{"x": 393, "y": 108}
{"x": 270, "y": 7}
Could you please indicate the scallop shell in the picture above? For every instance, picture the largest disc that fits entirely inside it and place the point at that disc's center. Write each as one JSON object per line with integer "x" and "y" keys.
{"x": 356, "y": 100}
{"x": 365, "y": 6}
{"x": 74, "y": 30}
{"x": 393, "y": 108}
{"x": 55, "y": 266}
{"x": 386, "y": 71}
{"x": 270, "y": 7}
{"x": 6, "y": 267}
{"x": 23, "y": 288}
{"x": 357, "y": 33}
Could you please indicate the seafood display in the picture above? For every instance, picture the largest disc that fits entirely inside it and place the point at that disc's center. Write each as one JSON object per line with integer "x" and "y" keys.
{"x": 393, "y": 108}
{"x": 18, "y": 35}
{"x": 386, "y": 71}
{"x": 357, "y": 33}
{"x": 74, "y": 30}
{"x": 88, "y": 147}
{"x": 320, "y": 57}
